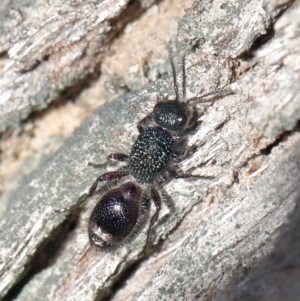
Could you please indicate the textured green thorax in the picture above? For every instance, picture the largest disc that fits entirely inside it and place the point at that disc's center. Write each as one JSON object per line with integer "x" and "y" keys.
{"x": 150, "y": 154}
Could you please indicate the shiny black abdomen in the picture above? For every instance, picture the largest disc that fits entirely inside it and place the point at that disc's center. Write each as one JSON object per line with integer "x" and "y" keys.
{"x": 150, "y": 154}
{"x": 113, "y": 218}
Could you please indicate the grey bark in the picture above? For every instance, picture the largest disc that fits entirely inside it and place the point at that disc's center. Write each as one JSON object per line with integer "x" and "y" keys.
{"x": 48, "y": 46}
{"x": 248, "y": 141}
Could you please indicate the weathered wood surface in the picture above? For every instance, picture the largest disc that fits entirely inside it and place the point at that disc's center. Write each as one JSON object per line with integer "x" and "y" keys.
{"x": 49, "y": 46}
{"x": 247, "y": 141}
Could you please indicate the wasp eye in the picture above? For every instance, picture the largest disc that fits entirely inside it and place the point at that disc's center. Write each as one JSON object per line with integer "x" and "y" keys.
{"x": 182, "y": 120}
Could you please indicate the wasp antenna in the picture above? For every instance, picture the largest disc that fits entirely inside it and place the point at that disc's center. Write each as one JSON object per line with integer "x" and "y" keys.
{"x": 214, "y": 92}
{"x": 183, "y": 79}
{"x": 175, "y": 85}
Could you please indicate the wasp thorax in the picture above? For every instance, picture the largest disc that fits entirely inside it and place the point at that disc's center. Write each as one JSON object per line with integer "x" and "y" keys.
{"x": 150, "y": 154}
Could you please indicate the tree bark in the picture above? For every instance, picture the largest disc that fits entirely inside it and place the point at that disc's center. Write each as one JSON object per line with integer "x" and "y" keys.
{"x": 248, "y": 141}
{"x": 48, "y": 47}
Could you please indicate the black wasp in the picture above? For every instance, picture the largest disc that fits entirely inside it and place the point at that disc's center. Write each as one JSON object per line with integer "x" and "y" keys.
{"x": 119, "y": 210}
